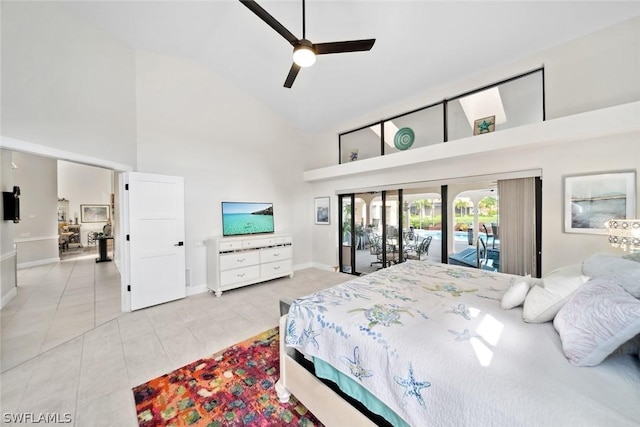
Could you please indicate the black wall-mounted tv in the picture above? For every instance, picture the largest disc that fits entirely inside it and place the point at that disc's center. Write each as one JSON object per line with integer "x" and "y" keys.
{"x": 11, "y": 204}
{"x": 239, "y": 218}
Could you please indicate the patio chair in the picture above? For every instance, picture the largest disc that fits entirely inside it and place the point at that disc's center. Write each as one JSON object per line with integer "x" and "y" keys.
{"x": 422, "y": 248}
{"x": 375, "y": 248}
{"x": 392, "y": 254}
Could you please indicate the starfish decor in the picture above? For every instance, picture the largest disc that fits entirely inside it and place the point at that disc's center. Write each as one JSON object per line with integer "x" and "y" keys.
{"x": 412, "y": 387}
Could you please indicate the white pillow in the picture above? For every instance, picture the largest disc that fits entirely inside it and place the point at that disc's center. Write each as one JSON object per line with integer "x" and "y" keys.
{"x": 625, "y": 271}
{"x": 543, "y": 302}
{"x": 516, "y": 294}
{"x": 598, "y": 318}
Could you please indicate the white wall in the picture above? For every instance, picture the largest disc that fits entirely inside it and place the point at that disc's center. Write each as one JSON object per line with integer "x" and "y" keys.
{"x": 596, "y": 71}
{"x": 7, "y": 249}
{"x": 226, "y": 145}
{"x": 84, "y": 185}
{"x": 65, "y": 83}
{"x": 36, "y": 234}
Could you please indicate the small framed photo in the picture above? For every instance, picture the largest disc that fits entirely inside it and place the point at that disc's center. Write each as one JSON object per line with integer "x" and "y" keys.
{"x": 94, "y": 213}
{"x": 592, "y": 200}
{"x": 322, "y": 210}
{"x": 484, "y": 125}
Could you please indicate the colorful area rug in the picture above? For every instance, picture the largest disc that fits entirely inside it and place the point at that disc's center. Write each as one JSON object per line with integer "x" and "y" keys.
{"x": 235, "y": 387}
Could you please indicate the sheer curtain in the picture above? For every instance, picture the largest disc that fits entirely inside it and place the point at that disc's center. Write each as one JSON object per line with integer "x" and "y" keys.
{"x": 517, "y": 233}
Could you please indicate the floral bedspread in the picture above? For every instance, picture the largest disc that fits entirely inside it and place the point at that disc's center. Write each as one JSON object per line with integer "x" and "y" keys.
{"x": 431, "y": 342}
{"x": 392, "y": 331}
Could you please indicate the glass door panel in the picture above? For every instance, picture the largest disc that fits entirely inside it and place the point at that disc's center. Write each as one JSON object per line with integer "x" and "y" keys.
{"x": 393, "y": 229}
{"x": 368, "y": 226}
{"x": 346, "y": 235}
{"x": 422, "y": 232}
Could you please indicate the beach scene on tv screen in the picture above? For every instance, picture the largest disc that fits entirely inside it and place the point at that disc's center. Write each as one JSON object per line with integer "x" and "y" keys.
{"x": 247, "y": 218}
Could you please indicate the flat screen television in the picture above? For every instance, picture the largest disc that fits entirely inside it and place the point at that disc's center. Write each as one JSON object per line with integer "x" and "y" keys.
{"x": 240, "y": 218}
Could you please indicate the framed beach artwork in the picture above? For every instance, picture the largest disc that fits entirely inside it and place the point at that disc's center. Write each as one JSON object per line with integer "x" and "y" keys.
{"x": 592, "y": 200}
{"x": 322, "y": 210}
{"x": 94, "y": 213}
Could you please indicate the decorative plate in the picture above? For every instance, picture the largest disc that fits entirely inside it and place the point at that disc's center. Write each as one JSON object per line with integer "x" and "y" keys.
{"x": 404, "y": 138}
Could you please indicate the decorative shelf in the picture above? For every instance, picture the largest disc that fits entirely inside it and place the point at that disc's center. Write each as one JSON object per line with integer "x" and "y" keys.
{"x": 620, "y": 119}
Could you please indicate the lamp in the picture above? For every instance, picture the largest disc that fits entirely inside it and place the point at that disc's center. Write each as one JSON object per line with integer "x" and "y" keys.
{"x": 625, "y": 233}
{"x": 303, "y": 54}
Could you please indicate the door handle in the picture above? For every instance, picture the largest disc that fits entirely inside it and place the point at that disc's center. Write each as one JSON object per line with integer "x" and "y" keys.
{"x": 179, "y": 244}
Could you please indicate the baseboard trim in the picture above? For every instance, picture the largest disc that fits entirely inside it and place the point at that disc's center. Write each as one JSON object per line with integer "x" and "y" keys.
{"x": 5, "y": 299}
{"x": 302, "y": 266}
{"x": 7, "y": 255}
{"x": 37, "y": 263}
{"x": 323, "y": 267}
{"x": 195, "y": 290}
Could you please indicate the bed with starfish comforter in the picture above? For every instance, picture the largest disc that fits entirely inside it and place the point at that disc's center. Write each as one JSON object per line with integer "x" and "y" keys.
{"x": 427, "y": 344}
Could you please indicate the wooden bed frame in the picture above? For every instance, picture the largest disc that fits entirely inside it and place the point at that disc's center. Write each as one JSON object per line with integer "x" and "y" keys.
{"x": 327, "y": 405}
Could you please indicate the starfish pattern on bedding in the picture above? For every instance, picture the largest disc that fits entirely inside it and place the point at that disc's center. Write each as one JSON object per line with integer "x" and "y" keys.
{"x": 461, "y": 310}
{"x": 412, "y": 387}
{"x": 309, "y": 337}
{"x": 461, "y": 336}
{"x": 355, "y": 366}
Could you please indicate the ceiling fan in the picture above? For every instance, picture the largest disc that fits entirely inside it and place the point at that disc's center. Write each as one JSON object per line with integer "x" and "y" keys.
{"x": 304, "y": 52}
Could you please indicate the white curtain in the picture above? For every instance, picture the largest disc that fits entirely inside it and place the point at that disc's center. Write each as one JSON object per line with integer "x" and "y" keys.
{"x": 517, "y": 227}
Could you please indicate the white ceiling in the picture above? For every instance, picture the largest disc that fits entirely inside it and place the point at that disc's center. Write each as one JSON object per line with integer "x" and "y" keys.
{"x": 420, "y": 44}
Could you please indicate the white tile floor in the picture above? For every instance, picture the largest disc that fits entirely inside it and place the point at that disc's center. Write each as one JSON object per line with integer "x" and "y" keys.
{"x": 89, "y": 375}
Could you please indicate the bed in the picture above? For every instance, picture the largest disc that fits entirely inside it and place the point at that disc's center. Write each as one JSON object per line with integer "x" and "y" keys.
{"x": 427, "y": 344}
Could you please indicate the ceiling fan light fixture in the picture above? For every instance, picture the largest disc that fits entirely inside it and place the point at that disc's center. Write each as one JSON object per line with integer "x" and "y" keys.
{"x": 303, "y": 55}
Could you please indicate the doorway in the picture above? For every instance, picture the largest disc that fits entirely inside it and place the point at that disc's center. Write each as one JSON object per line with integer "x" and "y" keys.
{"x": 56, "y": 298}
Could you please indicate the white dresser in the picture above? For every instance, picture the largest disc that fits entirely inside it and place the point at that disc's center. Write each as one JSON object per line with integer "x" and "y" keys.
{"x": 233, "y": 262}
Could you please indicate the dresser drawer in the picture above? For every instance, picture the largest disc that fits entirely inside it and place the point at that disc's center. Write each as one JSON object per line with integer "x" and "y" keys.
{"x": 239, "y": 259}
{"x": 239, "y": 275}
{"x": 284, "y": 240}
{"x": 258, "y": 242}
{"x": 275, "y": 254}
{"x": 279, "y": 268}
{"x": 232, "y": 245}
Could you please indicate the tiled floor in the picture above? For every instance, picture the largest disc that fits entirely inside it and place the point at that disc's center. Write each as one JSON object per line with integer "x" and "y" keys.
{"x": 57, "y": 302}
{"x": 90, "y": 376}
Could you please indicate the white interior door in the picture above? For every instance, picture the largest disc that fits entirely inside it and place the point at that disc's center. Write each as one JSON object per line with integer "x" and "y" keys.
{"x": 155, "y": 239}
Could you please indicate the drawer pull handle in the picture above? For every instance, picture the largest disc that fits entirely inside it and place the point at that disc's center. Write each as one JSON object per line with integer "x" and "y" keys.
{"x": 276, "y": 254}
{"x": 276, "y": 268}
{"x": 240, "y": 259}
{"x": 241, "y": 274}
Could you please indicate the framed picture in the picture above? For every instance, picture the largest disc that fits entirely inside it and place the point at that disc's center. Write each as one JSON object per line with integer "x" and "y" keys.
{"x": 94, "y": 213}
{"x": 592, "y": 200}
{"x": 484, "y": 125}
{"x": 322, "y": 210}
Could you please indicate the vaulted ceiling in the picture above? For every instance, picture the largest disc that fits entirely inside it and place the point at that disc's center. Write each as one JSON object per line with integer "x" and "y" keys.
{"x": 419, "y": 44}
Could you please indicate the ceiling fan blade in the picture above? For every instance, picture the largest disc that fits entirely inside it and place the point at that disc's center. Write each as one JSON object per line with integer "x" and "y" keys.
{"x": 340, "y": 47}
{"x": 293, "y": 72}
{"x": 270, "y": 20}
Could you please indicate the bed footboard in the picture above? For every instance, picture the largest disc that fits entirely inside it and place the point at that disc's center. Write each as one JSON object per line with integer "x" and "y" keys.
{"x": 323, "y": 402}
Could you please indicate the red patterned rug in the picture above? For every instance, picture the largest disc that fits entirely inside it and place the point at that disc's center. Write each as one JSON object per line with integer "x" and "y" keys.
{"x": 235, "y": 387}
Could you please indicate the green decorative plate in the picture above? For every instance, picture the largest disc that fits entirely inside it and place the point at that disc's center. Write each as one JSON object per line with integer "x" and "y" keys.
{"x": 404, "y": 138}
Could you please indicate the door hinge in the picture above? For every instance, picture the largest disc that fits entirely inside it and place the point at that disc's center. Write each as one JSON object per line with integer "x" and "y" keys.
{"x": 126, "y": 186}
{"x": 128, "y": 288}
{"x": 127, "y": 237}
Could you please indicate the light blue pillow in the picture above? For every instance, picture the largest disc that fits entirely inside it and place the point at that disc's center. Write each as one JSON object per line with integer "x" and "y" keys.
{"x": 625, "y": 272}
{"x": 598, "y": 318}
